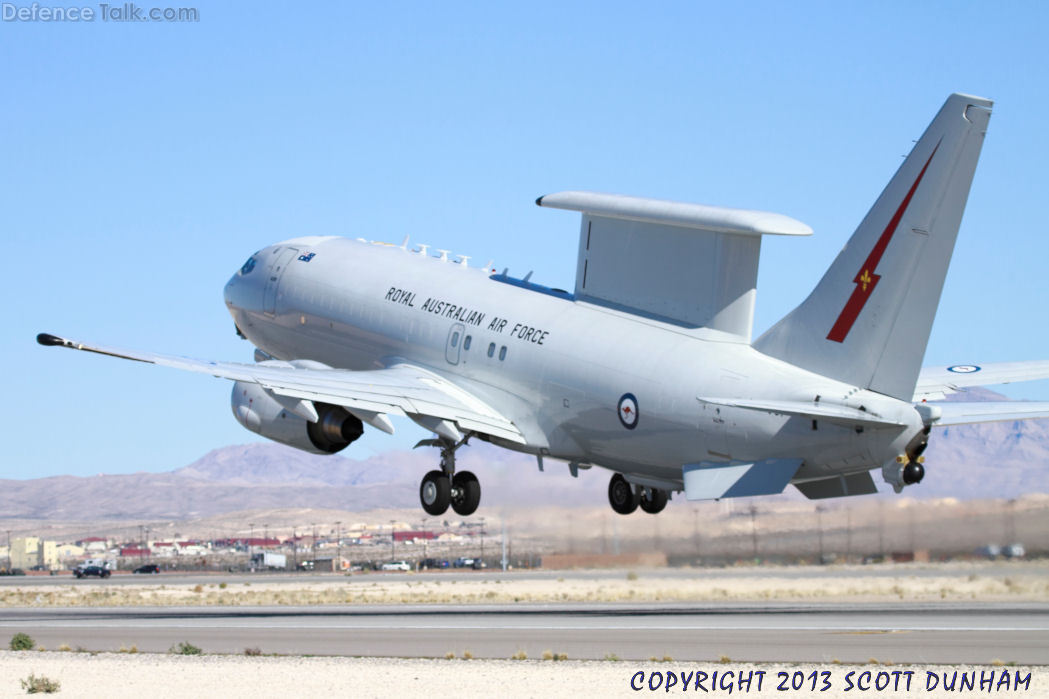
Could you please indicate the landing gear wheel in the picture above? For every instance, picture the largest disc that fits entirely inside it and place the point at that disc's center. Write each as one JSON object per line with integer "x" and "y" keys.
{"x": 622, "y": 496}
{"x": 466, "y": 493}
{"x": 913, "y": 473}
{"x": 435, "y": 493}
{"x": 653, "y": 500}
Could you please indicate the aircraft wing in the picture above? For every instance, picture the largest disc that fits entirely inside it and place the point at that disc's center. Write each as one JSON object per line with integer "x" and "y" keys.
{"x": 400, "y": 390}
{"x": 946, "y": 414}
{"x": 934, "y": 383}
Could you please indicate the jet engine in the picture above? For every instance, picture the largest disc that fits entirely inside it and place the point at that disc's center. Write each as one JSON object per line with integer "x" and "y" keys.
{"x": 261, "y": 413}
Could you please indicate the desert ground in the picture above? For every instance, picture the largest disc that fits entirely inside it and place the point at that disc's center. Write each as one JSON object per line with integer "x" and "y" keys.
{"x": 117, "y": 676}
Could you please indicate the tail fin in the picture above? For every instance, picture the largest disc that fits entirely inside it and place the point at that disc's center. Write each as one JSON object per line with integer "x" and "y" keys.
{"x": 867, "y": 322}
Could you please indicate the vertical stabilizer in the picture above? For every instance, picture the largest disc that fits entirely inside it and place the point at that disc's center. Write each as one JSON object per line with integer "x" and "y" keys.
{"x": 867, "y": 322}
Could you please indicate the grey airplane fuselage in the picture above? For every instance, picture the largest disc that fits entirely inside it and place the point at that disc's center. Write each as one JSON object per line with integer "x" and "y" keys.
{"x": 556, "y": 367}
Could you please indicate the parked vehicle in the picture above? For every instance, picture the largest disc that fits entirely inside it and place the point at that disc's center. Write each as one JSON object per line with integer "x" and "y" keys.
{"x": 148, "y": 569}
{"x": 91, "y": 571}
{"x": 100, "y": 562}
{"x": 269, "y": 561}
{"x": 463, "y": 562}
{"x": 397, "y": 565}
{"x": 12, "y": 571}
{"x": 434, "y": 563}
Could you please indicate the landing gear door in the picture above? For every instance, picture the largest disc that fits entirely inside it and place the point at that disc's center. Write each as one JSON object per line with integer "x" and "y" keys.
{"x": 454, "y": 347}
{"x": 276, "y": 272}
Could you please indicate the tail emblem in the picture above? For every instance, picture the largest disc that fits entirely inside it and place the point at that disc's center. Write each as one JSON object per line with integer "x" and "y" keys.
{"x": 866, "y": 279}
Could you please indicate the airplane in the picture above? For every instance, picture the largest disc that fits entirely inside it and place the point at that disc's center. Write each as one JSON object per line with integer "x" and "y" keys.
{"x": 647, "y": 368}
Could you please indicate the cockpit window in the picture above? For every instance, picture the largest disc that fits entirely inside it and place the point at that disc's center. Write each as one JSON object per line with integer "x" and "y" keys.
{"x": 248, "y": 266}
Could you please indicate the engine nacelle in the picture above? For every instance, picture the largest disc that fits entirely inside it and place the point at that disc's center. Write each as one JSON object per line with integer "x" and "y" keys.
{"x": 262, "y": 414}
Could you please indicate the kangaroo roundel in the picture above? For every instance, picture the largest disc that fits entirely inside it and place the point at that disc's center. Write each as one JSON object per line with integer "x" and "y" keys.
{"x": 628, "y": 411}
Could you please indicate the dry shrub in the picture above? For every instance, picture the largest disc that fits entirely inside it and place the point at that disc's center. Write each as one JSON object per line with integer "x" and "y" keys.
{"x": 40, "y": 685}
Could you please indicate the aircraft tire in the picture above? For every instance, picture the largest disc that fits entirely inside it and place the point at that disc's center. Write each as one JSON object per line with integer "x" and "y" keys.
{"x": 621, "y": 495}
{"x": 657, "y": 502}
{"x": 435, "y": 493}
{"x": 468, "y": 493}
{"x": 913, "y": 473}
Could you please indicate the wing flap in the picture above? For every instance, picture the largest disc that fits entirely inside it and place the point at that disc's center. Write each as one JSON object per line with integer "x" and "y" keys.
{"x": 399, "y": 390}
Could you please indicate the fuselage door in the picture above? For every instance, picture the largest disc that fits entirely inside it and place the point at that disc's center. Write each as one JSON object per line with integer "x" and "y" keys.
{"x": 276, "y": 272}
{"x": 455, "y": 343}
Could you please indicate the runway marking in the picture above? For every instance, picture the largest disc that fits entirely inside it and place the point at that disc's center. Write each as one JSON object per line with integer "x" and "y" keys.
{"x": 448, "y": 627}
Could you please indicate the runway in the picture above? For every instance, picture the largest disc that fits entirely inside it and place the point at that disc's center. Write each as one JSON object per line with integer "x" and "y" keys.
{"x": 855, "y": 633}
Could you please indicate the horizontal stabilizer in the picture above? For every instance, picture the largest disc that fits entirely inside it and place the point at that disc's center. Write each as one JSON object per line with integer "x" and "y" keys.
{"x": 945, "y": 414}
{"x": 838, "y": 486}
{"x": 809, "y": 409}
{"x": 713, "y": 481}
{"x": 936, "y": 382}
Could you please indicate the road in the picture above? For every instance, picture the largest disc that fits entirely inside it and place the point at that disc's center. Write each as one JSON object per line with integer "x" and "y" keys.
{"x": 901, "y": 633}
{"x": 981, "y": 568}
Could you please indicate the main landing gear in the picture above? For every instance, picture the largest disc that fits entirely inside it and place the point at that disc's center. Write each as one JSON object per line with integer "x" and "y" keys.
{"x": 625, "y": 497}
{"x": 439, "y": 489}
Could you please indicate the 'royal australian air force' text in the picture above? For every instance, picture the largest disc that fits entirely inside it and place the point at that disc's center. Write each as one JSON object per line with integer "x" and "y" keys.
{"x": 467, "y": 315}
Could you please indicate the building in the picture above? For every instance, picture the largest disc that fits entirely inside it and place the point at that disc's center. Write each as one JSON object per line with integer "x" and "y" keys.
{"x": 32, "y": 551}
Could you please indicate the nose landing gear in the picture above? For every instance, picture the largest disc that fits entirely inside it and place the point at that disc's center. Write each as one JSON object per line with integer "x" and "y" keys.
{"x": 439, "y": 489}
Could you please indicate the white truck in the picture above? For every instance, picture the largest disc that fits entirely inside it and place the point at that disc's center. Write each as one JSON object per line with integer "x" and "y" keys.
{"x": 269, "y": 561}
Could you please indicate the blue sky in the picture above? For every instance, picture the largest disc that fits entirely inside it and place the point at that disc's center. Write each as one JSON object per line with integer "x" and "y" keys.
{"x": 142, "y": 163}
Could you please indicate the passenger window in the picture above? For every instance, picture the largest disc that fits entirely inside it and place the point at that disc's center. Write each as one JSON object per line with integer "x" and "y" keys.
{"x": 491, "y": 350}
{"x": 502, "y": 353}
{"x": 466, "y": 342}
{"x": 455, "y": 339}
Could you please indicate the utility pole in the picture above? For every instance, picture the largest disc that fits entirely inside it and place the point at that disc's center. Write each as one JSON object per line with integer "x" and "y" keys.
{"x": 881, "y": 529}
{"x": 848, "y": 534}
{"x": 753, "y": 532}
{"x": 393, "y": 528}
{"x": 338, "y": 544}
{"x": 819, "y": 524}
{"x": 482, "y": 538}
{"x": 504, "y": 561}
{"x": 251, "y": 538}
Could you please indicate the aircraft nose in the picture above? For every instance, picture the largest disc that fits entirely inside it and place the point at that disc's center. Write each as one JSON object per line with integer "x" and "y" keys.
{"x": 239, "y": 290}
{"x": 227, "y": 291}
